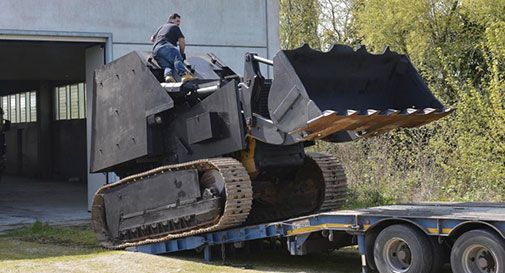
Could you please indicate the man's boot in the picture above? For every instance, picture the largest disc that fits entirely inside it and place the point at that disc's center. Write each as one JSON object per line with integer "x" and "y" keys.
{"x": 170, "y": 79}
{"x": 187, "y": 77}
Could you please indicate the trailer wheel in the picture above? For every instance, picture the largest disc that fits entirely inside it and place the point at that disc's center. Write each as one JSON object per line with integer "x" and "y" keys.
{"x": 402, "y": 249}
{"x": 478, "y": 251}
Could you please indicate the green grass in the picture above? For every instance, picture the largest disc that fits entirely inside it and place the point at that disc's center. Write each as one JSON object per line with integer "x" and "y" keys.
{"x": 46, "y": 234}
{"x": 41, "y": 240}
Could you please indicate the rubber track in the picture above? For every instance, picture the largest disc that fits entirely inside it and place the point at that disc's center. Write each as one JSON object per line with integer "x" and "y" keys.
{"x": 335, "y": 192}
{"x": 238, "y": 203}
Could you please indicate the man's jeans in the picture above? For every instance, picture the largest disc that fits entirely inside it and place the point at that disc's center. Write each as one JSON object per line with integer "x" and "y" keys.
{"x": 169, "y": 57}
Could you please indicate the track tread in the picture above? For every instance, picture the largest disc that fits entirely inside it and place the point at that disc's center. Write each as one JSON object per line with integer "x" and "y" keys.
{"x": 335, "y": 193}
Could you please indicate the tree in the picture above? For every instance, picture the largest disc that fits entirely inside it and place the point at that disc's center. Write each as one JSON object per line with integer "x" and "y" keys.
{"x": 336, "y": 23}
{"x": 459, "y": 48}
{"x": 299, "y": 23}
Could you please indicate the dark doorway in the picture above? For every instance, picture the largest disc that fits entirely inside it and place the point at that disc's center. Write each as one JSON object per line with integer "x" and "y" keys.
{"x": 42, "y": 87}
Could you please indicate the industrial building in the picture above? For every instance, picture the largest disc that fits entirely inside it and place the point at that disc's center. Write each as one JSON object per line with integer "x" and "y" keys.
{"x": 48, "y": 52}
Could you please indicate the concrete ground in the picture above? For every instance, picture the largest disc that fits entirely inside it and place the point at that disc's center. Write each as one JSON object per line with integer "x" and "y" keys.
{"x": 25, "y": 200}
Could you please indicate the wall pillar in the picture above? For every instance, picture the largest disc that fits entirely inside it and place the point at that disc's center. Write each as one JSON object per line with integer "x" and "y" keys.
{"x": 44, "y": 132}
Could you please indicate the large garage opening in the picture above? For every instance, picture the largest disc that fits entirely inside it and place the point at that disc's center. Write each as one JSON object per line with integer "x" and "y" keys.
{"x": 43, "y": 92}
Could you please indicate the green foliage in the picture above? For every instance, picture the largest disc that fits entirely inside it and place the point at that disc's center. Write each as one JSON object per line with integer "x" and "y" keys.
{"x": 423, "y": 30}
{"x": 459, "y": 49}
{"x": 475, "y": 137}
{"x": 301, "y": 18}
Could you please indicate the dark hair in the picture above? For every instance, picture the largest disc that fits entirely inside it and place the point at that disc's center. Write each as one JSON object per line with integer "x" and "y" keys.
{"x": 173, "y": 16}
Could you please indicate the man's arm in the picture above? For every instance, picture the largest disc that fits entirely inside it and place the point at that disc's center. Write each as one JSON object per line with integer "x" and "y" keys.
{"x": 182, "y": 45}
{"x": 153, "y": 38}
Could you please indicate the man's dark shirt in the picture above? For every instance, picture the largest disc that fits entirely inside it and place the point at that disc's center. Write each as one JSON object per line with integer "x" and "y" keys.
{"x": 167, "y": 33}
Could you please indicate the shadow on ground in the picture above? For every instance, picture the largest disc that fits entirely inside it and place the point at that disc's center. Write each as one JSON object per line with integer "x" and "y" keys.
{"x": 346, "y": 260}
{"x": 279, "y": 260}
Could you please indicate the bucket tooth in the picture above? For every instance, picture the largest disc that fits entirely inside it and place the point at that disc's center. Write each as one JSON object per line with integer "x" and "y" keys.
{"x": 409, "y": 121}
{"x": 368, "y": 120}
{"x": 424, "y": 118}
{"x": 332, "y": 123}
{"x": 390, "y": 112}
{"x": 409, "y": 111}
{"x": 385, "y": 119}
{"x": 371, "y": 122}
{"x": 329, "y": 123}
{"x": 427, "y": 111}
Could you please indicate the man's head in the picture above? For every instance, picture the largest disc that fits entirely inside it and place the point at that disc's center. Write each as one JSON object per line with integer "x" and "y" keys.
{"x": 175, "y": 19}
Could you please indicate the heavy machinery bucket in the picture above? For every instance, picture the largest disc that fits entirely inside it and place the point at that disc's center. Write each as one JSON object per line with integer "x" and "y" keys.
{"x": 324, "y": 94}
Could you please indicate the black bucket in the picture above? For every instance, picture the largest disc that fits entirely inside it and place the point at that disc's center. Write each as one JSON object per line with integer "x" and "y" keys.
{"x": 347, "y": 90}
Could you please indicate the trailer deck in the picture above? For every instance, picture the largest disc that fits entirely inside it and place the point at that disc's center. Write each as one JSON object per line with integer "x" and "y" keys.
{"x": 350, "y": 227}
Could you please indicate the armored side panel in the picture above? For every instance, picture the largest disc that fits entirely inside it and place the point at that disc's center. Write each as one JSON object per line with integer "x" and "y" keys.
{"x": 211, "y": 128}
{"x": 166, "y": 196}
{"x": 125, "y": 94}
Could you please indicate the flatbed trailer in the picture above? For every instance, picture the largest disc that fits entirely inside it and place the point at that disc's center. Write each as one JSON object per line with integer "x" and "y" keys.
{"x": 418, "y": 238}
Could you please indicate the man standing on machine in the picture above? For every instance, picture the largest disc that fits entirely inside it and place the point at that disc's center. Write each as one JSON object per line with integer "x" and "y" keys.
{"x": 165, "y": 50}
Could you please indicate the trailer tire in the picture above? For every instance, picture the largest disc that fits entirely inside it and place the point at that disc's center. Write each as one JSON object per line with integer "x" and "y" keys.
{"x": 403, "y": 249}
{"x": 478, "y": 251}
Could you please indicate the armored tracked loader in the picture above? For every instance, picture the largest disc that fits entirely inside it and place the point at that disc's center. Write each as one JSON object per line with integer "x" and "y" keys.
{"x": 223, "y": 150}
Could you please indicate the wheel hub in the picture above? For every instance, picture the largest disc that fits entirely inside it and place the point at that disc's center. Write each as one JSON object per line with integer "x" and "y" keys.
{"x": 402, "y": 255}
{"x": 482, "y": 262}
{"x": 479, "y": 259}
{"x": 398, "y": 255}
